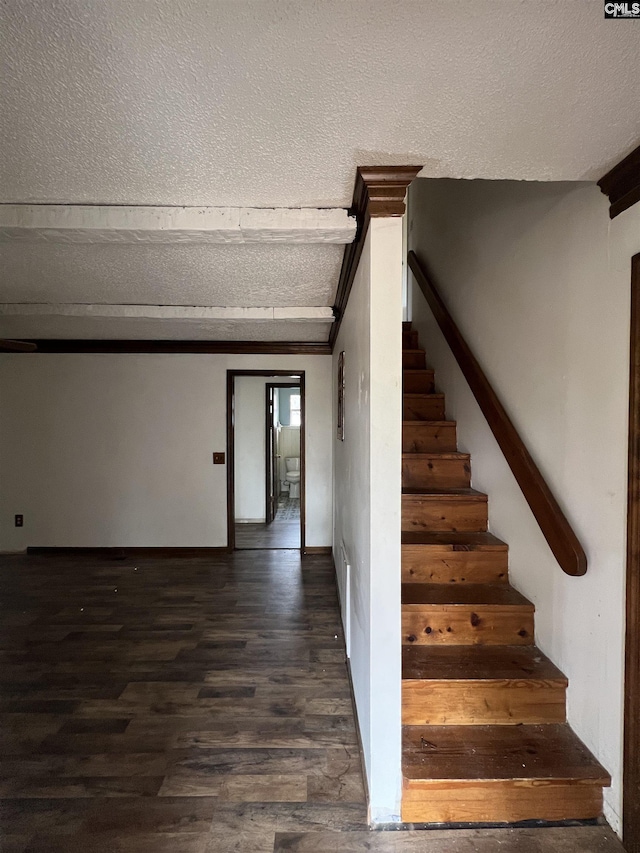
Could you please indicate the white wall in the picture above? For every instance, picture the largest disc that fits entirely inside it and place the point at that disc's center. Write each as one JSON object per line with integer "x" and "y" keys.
{"x": 367, "y": 493}
{"x": 115, "y": 450}
{"x": 539, "y": 282}
{"x": 249, "y": 437}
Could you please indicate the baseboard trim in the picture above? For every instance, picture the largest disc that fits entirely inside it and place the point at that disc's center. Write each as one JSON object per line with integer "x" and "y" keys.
{"x": 314, "y": 550}
{"x": 123, "y": 553}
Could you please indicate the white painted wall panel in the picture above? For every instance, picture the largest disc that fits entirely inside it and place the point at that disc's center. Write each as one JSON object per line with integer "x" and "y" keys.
{"x": 115, "y": 450}
{"x": 352, "y": 489}
{"x": 250, "y": 448}
{"x": 367, "y": 505}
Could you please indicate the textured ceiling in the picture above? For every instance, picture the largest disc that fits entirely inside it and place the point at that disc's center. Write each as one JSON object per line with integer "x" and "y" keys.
{"x": 275, "y": 102}
{"x": 265, "y": 103}
{"x": 250, "y": 275}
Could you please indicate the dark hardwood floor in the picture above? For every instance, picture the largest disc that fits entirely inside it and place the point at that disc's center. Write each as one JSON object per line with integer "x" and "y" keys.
{"x": 278, "y": 534}
{"x": 191, "y": 705}
{"x": 196, "y": 705}
{"x": 282, "y": 532}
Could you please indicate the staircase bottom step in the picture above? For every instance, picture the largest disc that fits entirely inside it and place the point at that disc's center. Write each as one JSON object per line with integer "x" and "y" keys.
{"x": 499, "y": 800}
{"x": 475, "y": 774}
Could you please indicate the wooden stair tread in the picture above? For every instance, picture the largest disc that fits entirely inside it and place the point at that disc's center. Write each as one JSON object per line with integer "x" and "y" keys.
{"x": 434, "y": 454}
{"x": 549, "y": 751}
{"x": 445, "y": 494}
{"x": 432, "y": 395}
{"x": 455, "y": 541}
{"x": 463, "y": 594}
{"x": 487, "y": 663}
{"x": 421, "y": 423}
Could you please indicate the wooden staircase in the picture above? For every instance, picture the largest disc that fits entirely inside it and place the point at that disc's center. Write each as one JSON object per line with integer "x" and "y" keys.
{"x": 485, "y": 737}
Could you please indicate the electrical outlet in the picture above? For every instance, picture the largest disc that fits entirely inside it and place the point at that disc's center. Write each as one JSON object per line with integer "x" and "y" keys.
{"x": 218, "y": 458}
{"x": 19, "y": 520}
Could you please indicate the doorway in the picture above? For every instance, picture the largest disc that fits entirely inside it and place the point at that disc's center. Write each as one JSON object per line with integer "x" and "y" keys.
{"x": 266, "y": 459}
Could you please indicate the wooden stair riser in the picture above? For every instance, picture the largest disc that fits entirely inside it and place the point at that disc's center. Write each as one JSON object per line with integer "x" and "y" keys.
{"x": 423, "y": 407}
{"x": 465, "y": 624}
{"x": 444, "y": 564}
{"x": 481, "y": 703}
{"x": 414, "y": 359}
{"x": 429, "y": 437}
{"x": 410, "y": 339}
{"x": 417, "y": 381}
{"x": 436, "y": 471}
{"x": 498, "y": 800}
{"x": 444, "y": 512}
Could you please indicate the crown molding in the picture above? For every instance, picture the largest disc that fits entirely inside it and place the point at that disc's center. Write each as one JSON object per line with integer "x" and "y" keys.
{"x": 379, "y": 191}
{"x": 621, "y": 184}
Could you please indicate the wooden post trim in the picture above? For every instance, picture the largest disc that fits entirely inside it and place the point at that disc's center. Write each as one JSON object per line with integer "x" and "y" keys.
{"x": 379, "y": 191}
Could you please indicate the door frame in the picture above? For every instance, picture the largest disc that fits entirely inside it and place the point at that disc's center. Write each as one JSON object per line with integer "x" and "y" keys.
{"x": 268, "y": 387}
{"x": 631, "y": 759}
{"x": 231, "y": 377}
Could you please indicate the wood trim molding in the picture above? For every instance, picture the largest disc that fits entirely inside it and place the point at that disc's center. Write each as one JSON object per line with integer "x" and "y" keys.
{"x": 303, "y": 462}
{"x": 621, "y": 184}
{"x": 51, "y": 345}
{"x": 231, "y": 378}
{"x": 631, "y": 761}
{"x": 317, "y": 550}
{"x": 555, "y": 528}
{"x": 379, "y": 191}
{"x": 123, "y": 553}
{"x": 231, "y": 462}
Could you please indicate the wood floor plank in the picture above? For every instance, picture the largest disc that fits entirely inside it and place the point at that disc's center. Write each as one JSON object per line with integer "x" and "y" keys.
{"x": 153, "y": 704}
{"x": 569, "y": 839}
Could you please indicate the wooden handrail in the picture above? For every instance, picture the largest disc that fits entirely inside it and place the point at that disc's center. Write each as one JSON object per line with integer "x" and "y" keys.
{"x": 556, "y": 529}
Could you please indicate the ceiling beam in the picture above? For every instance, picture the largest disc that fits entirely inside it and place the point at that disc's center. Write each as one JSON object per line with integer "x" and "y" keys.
{"x": 50, "y": 345}
{"x": 69, "y": 223}
{"x": 167, "y": 312}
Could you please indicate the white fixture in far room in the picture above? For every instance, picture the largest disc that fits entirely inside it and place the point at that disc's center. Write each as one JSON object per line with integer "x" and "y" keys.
{"x": 292, "y": 477}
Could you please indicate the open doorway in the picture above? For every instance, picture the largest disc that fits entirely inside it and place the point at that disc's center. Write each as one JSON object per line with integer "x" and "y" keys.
{"x": 266, "y": 459}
